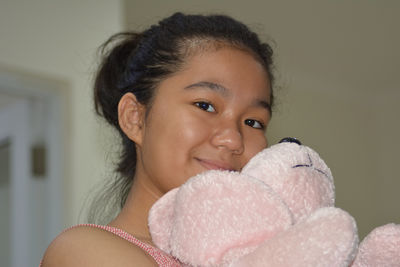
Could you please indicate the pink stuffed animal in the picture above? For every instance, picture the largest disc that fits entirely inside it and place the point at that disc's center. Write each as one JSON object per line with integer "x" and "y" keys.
{"x": 380, "y": 248}
{"x": 278, "y": 211}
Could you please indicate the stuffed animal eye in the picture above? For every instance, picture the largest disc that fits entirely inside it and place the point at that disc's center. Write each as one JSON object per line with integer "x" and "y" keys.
{"x": 254, "y": 123}
{"x": 205, "y": 106}
{"x": 290, "y": 140}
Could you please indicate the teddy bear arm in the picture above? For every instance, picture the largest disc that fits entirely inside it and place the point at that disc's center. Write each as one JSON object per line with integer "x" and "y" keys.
{"x": 327, "y": 238}
{"x": 217, "y": 217}
{"x": 381, "y": 247}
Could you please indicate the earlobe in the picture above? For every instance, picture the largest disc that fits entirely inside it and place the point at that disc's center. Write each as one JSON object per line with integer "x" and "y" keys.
{"x": 131, "y": 117}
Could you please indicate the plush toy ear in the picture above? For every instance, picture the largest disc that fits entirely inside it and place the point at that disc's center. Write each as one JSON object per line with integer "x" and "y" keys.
{"x": 297, "y": 174}
{"x": 381, "y": 247}
{"x": 327, "y": 238}
{"x": 161, "y": 220}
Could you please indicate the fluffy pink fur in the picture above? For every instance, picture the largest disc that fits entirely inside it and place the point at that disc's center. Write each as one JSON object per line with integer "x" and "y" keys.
{"x": 211, "y": 218}
{"x": 380, "y": 248}
{"x": 297, "y": 174}
{"x": 326, "y": 238}
{"x": 277, "y": 212}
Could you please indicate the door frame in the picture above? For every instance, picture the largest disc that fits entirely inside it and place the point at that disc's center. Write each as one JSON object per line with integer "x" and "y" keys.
{"x": 52, "y": 96}
{"x": 17, "y": 134}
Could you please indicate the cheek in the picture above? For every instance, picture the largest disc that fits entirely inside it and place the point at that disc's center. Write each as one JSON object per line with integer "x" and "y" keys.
{"x": 186, "y": 134}
{"x": 255, "y": 145}
{"x": 170, "y": 145}
{"x": 191, "y": 130}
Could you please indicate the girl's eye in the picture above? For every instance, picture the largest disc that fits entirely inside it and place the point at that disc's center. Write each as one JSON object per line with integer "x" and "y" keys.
{"x": 254, "y": 123}
{"x": 205, "y": 106}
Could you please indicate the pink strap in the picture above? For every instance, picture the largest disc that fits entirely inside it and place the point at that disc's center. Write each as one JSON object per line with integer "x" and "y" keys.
{"x": 158, "y": 255}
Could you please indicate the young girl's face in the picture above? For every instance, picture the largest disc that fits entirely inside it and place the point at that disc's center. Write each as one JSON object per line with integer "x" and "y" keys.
{"x": 211, "y": 115}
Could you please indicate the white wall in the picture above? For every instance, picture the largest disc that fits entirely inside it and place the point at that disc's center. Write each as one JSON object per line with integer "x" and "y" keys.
{"x": 338, "y": 64}
{"x": 58, "y": 39}
{"x": 4, "y": 204}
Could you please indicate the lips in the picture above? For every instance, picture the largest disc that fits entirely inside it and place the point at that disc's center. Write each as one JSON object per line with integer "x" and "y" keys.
{"x": 215, "y": 165}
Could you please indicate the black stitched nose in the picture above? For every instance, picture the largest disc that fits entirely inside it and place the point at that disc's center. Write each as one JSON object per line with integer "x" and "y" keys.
{"x": 290, "y": 140}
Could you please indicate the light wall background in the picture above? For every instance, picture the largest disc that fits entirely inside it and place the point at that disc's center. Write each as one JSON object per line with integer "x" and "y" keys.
{"x": 337, "y": 83}
{"x": 338, "y": 90}
{"x": 57, "y": 40}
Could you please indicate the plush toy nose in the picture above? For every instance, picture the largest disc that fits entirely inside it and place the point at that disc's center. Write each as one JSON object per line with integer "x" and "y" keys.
{"x": 290, "y": 140}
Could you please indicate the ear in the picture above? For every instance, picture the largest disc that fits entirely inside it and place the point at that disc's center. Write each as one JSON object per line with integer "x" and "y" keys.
{"x": 131, "y": 116}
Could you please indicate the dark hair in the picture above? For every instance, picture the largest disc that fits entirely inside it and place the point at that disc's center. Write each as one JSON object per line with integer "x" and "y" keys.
{"x": 138, "y": 62}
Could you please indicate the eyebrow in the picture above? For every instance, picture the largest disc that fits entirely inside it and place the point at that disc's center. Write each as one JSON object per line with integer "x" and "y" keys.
{"x": 263, "y": 104}
{"x": 225, "y": 92}
{"x": 209, "y": 85}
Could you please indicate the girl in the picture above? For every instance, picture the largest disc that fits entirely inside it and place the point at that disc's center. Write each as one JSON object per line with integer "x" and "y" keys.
{"x": 190, "y": 94}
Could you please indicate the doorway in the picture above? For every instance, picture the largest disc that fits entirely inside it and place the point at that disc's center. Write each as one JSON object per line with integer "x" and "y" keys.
{"x": 31, "y": 166}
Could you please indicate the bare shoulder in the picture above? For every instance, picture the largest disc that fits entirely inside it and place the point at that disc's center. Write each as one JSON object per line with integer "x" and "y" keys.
{"x": 88, "y": 246}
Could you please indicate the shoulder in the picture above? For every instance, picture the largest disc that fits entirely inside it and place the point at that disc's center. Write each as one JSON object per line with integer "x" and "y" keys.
{"x": 88, "y": 246}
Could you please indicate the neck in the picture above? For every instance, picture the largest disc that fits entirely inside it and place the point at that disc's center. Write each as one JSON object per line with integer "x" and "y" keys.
{"x": 134, "y": 214}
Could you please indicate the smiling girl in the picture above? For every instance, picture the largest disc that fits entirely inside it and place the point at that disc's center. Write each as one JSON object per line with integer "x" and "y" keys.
{"x": 190, "y": 94}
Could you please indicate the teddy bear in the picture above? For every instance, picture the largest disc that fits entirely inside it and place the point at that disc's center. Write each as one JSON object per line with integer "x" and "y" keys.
{"x": 277, "y": 211}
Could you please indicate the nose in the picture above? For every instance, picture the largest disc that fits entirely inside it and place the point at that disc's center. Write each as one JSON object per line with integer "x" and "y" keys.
{"x": 228, "y": 137}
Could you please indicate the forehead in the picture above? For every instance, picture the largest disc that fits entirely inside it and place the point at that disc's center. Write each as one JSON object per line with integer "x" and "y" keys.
{"x": 196, "y": 46}
{"x": 235, "y": 69}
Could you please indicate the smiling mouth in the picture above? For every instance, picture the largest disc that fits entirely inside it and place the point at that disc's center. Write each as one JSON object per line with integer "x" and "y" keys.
{"x": 215, "y": 165}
